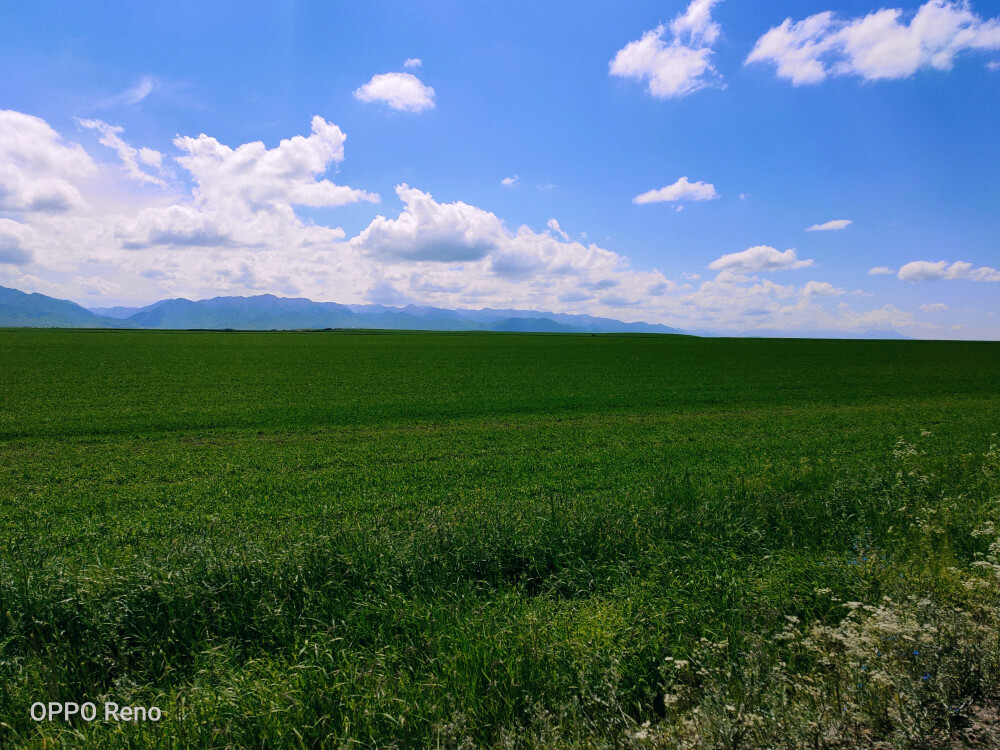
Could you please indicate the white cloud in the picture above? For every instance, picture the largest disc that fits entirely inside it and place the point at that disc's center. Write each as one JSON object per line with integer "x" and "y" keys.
{"x": 922, "y": 270}
{"x": 245, "y": 196}
{"x": 510, "y": 181}
{"x": 178, "y": 226}
{"x": 150, "y": 157}
{"x": 145, "y": 86}
{"x": 993, "y": 66}
{"x": 461, "y": 255}
{"x": 696, "y": 22}
{"x": 675, "y": 62}
{"x": 820, "y": 289}
{"x": 759, "y": 259}
{"x": 401, "y": 91}
{"x": 96, "y": 286}
{"x": 880, "y": 271}
{"x": 682, "y": 190}
{"x": 427, "y": 230}
{"x": 554, "y": 226}
{"x": 413, "y": 62}
{"x": 38, "y": 171}
{"x": 887, "y": 317}
{"x": 935, "y": 307}
{"x": 110, "y": 137}
{"x": 741, "y": 304}
{"x": 13, "y": 238}
{"x": 830, "y": 226}
{"x": 879, "y": 46}
{"x": 252, "y": 177}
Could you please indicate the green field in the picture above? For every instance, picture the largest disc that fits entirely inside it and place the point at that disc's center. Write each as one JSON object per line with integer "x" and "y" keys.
{"x": 364, "y": 539}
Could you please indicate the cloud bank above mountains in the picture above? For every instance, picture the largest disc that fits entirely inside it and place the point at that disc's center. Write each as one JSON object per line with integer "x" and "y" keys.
{"x": 214, "y": 219}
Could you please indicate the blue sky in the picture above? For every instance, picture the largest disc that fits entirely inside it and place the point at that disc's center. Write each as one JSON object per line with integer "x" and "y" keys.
{"x": 129, "y": 170}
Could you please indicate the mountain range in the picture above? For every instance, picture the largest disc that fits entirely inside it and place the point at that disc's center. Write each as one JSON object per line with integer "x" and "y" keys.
{"x": 267, "y": 312}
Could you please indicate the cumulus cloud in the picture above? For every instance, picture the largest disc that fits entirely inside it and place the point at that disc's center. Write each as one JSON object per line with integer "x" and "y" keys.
{"x": 675, "y": 61}
{"x": 879, "y": 46}
{"x": 246, "y": 196}
{"x": 176, "y": 226}
{"x": 38, "y": 171}
{"x": 759, "y": 259}
{"x": 887, "y": 317}
{"x": 510, "y": 181}
{"x": 830, "y": 226}
{"x": 428, "y": 230}
{"x": 254, "y": 176}
{"x": 13, "y": 237}
{"x": 460, "y": 255}
{"x": 741, "y": 304}
{"x": 131, "y": 157}
{"x": 934, "y": 307}
{"x": 880, "y": 271}
{"x": 821, "y": 289}
{"x": 238, "y": 232}
{"x": 682, "y": 190}
{"x": 922, "y": 270}
{"x": 413, "y": 62}
{"x": 401, "y": 91}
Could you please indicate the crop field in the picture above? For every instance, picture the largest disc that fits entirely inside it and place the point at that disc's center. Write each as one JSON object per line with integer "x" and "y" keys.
{"x": 369, "y": 539}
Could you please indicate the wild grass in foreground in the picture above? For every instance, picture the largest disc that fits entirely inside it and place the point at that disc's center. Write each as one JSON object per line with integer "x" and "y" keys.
{"x": 779, "y": 575}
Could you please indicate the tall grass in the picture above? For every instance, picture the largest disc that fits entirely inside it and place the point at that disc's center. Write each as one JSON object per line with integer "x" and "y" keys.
{"x": 554, "y": 622}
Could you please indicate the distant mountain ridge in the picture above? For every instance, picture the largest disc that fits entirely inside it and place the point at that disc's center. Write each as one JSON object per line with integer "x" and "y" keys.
{"x": 268, "y": 312}
{"x": 20, "y": 309}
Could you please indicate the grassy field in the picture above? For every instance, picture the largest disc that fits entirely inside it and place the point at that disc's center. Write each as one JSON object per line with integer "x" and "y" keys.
{"x": 363, "y": 539}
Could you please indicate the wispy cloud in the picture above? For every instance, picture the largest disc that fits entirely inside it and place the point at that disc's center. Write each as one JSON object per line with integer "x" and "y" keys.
{"x": 675, "y": 61}
{"x": 554, "y": 226}
{"x": 130, "y": 156}
{"x": 146, "y": 86}
{"x": 830, "y": 226}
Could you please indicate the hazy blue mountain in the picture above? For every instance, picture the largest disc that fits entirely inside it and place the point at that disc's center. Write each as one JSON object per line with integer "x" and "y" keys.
{"x": 262, "y": 312}
{"x": 18, "y": 309}
{"x": 532, "y": 325}
{"x": 118, "y": 313}
{"x": 267, "y": 312}
{"x": 580, "y": 323}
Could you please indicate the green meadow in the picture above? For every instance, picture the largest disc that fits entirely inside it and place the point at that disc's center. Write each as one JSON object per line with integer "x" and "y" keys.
{"x": 374, "y": 539}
